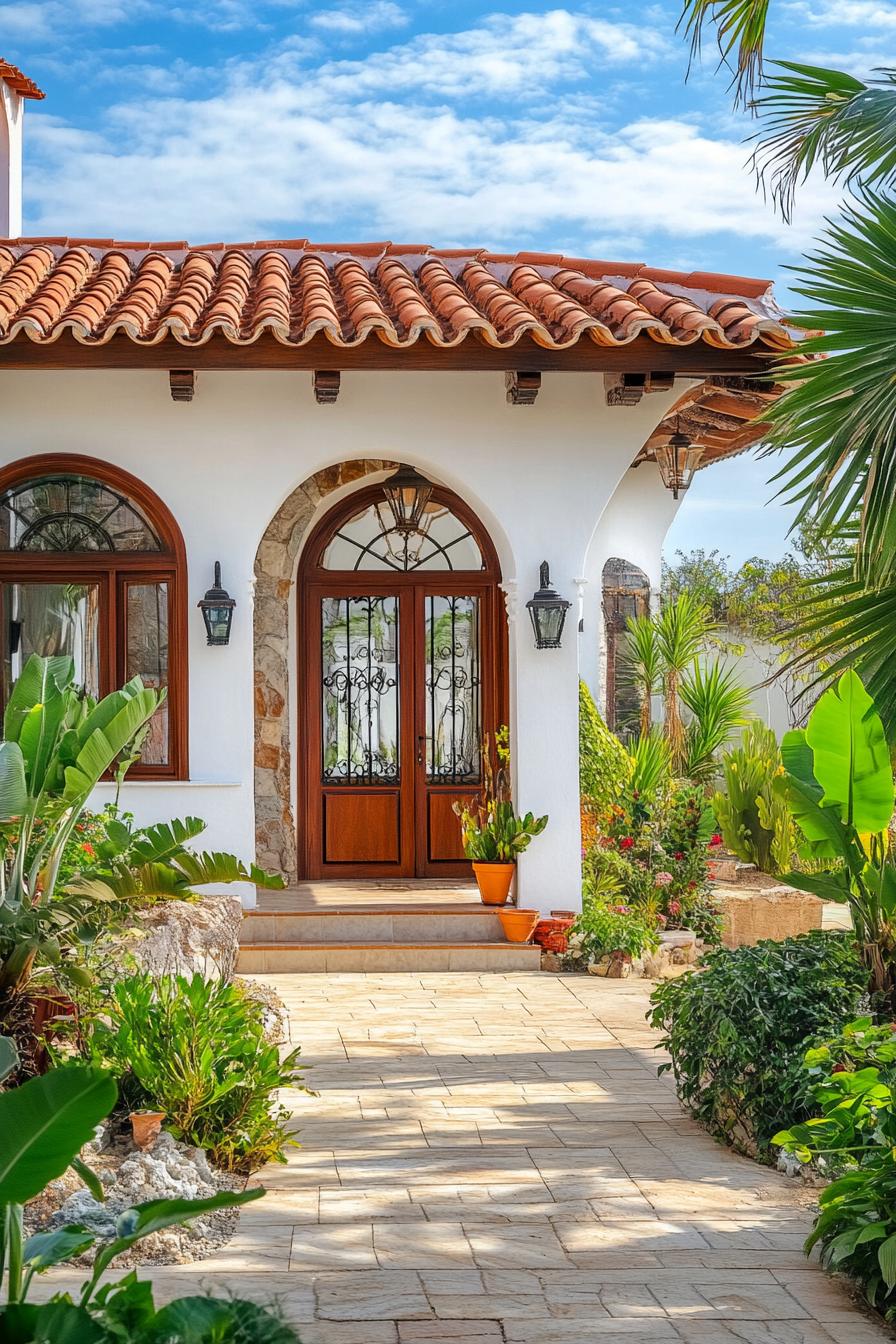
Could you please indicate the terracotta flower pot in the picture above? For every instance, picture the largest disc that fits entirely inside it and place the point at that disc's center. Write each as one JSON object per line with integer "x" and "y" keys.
{"x": 146, "y": 1127}
{"x": 494, "y": 880}
{"x": 563, "y": 914}
{"x": 518, "y": 925}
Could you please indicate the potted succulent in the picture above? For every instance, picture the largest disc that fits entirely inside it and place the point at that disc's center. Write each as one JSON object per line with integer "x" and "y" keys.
{"x": 493, "y": 833}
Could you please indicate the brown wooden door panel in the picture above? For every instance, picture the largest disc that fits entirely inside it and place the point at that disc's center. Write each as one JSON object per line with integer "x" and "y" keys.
{"x": 362, "y": 828}
{"x": 443, "y": 832}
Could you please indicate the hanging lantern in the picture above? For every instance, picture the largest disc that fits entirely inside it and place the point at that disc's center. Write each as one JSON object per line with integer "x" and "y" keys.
{"x": 548, "y": 612}
{"x": 407, "y": 494}
{"x": 678, "y": 460}
{"x": 217, "y": 610}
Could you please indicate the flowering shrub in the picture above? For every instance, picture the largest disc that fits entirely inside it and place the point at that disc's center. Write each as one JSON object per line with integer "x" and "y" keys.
{"x": 654, "y": 860}
{"x": 81, "y": 850}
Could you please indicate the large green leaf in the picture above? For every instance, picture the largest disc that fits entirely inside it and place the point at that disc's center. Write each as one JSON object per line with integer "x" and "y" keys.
{"x": 54, "y": 1322}
{"x": 9, "y": 1057}
{"x": 103, "y": 745}
{"x": 45, "y": 1249}
{"x": 45, "y": 1122}
{"x": 822, "y": 827}
{"x": 41, "y": 680}
{"x": 796, "y": 756}
{"x": 850, "y": 756}
{"x": 155, "y": 1215}
{"x": 828, "y": 886}
{"x": 203, "y": 1320}
{"x": 13, "y": 789}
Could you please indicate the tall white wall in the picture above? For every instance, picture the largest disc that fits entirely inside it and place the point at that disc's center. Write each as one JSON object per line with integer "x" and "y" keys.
{"x": 12, "y": 108}
{"x": 539, "y": 477}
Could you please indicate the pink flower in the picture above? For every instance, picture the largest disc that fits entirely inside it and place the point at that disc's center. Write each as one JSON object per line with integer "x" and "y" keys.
{"x": 675, "y": 907}
{"x": 663, "y": 879}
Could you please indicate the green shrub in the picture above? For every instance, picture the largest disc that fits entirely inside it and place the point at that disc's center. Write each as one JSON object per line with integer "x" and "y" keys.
{"x": 601, "y": 929}
{"x": 855, "y": 1137}
{"x": 604, "y": 764}
{"x": 736, "y": 1031}
{"x": 196, "y": 1049}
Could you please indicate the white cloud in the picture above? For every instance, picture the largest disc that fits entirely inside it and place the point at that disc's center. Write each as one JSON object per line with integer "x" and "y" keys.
{"x": 356, "y": 19}
{"x": 845, "y": 13}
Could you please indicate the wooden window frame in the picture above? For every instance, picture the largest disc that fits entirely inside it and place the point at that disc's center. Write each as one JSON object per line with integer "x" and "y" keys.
{"x": 113, "y": 571}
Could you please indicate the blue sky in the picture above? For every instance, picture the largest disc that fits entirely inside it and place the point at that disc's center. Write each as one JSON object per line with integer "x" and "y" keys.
{"x": 568, "y": 129}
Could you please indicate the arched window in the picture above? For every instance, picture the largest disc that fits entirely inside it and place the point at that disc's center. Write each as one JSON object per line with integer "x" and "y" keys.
{"x": 92, "y": 565}
{"x": 369, "y": 539}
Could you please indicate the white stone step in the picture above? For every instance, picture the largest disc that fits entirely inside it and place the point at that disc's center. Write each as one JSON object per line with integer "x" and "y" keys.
{"x": 450, "y": 924}
{"x": 280, "y": 958}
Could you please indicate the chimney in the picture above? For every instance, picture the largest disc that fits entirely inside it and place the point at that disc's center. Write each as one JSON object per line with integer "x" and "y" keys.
{"x": 14, "y": 89}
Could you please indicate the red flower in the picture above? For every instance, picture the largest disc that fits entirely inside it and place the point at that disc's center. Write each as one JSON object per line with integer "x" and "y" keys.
{"x": 88, "y": 849}
{"x": 678, "y": 854}
{"x": 839, "y": 1068}
{"x": 715, "y": 841}
{"x": 626, "y": 842}
{"x": 692, "y": 886}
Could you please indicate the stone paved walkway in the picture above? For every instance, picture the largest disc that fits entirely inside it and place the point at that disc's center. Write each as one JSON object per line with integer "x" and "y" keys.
{"x": 494, "y": 1159}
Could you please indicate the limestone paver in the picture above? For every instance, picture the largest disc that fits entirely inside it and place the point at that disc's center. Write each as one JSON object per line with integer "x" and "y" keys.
{"x": 493, "y": 1160}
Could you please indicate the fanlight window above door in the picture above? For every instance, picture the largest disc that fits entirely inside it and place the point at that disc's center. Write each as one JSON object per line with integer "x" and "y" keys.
{"x": 72, "y": 513}
{"x": 369, "y": 540}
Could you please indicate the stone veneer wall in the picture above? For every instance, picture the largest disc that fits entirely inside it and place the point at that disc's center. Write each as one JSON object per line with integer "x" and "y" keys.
{"x": 275, "y": 567}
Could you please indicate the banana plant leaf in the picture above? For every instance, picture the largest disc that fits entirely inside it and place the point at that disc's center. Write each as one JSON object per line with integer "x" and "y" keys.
{"x": 44, "y": 1124}
{"x": 13, "y": 788}
{"x": 102, "y": 746}
{"x": 850, "y": 756}
{"x": 40, "y": 681}
{"x": 43, "y": 1250}
{"x": 9, "y": 1057}
{"x": 157, "y": 843}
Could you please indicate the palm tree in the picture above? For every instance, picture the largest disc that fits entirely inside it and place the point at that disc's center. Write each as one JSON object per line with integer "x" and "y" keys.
{"x": 642, "y": 666}
{"x": 682, "y": 629}
{"x": 836, "y": 422}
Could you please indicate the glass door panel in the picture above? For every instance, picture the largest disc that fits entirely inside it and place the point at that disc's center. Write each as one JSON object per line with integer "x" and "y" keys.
{"x": 359, "y": 690}
{"x": 452, "y": 688}
{"x": 50, "y": 619}
{"x": 146, "y": 656}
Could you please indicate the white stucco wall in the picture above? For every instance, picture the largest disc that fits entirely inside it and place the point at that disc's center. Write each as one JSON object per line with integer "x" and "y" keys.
{"x": 11, "y": 119}
{"x": 540, "y": 478}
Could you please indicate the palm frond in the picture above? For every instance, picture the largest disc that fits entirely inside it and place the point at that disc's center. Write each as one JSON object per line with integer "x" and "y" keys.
{"x": 813, "y": 116}
{"x": 651, "y": 764}
{"x": 842, "y": 624}
{"x": 836, "y": 423}
{"x": 719, "y": 704}
{"x": 739, "y": 28}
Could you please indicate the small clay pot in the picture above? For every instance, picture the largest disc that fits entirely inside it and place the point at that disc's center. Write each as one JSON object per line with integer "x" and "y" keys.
{"x": 494, "y": 881}
{"x": 519, "y": 925}
{"x": 146, "y": 1127}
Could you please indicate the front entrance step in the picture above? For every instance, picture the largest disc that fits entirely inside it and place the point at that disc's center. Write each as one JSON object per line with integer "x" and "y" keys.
{"x": 280, "y": 958}
{"x": 448, "y": 924}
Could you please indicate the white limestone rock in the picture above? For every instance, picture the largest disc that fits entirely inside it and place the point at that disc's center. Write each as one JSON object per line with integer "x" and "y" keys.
{"x": 182, "y": 937}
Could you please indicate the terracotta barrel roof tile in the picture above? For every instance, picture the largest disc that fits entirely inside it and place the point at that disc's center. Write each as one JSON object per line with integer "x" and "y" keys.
{"x": 152, "y": 292}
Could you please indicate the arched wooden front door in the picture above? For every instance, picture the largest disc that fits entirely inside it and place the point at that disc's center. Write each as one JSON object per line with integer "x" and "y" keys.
{"x": 403, "y": 646}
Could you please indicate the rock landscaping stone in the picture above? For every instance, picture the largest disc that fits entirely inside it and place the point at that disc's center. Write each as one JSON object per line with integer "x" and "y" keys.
{"x": 168, "y": 1170}
{"x": 182, "y": 937}
{"x": 770, "y": 911}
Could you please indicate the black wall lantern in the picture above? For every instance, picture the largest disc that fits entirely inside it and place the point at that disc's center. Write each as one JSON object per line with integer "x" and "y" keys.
{"x": 217, "y": 610}
{"x": 678, "y": 460}
{"x": 548, "y": 611}
{"x": 407, "y": 494}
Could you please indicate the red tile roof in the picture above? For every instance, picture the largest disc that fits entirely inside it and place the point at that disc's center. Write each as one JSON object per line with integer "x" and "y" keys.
{"x": 293, "y": 289}
{"x": 16, "y": 80}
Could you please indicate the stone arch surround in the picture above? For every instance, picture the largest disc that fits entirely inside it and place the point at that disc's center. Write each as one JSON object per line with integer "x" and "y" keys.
{"x": 275, "y": 568}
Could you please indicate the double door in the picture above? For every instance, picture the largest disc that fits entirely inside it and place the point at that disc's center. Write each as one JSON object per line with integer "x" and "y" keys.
{"x": 402, "y": 677}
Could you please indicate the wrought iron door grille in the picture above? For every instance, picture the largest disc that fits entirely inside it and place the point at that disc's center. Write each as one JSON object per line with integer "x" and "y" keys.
{"x": 359, "y": 690}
